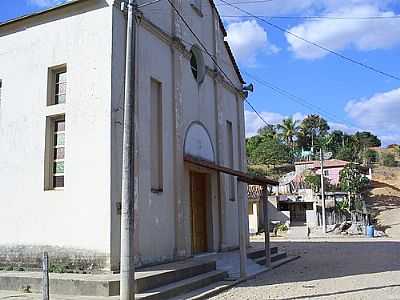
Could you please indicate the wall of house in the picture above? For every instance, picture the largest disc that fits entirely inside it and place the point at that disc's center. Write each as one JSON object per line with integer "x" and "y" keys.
{"x": 333, "y": 174}
{"x": 78, "y": 216}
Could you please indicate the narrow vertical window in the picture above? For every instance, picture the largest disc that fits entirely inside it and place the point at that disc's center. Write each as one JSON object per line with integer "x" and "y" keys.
{"x": 60, "y": 92}
{"x": 55, "y": 152}
{"x": 58, "y": 153}
{"x": 229, "y": 134}
{"x": 57, "y": 90}
{"x": 156, "y": 132}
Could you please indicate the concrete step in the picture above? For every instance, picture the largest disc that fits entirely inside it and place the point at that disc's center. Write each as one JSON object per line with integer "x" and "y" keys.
{"x": 283, "y": 261}
{"x": 154, "y": 279}
{"x": 260, "y": 253}
{"x": 107, "y": 284}
{"x": 183, "y": 286}
{"x": 205, "y": 292}
{"x": 274, "y": 258}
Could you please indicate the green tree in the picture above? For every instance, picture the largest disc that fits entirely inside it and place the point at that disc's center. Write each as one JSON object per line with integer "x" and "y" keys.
{"x": 313, "y": 180}
{"x": 353, "y": 181}
{"x": 347, "y": 153}
{"x": 270, "y": 131}
{"x": 312, "y": 128}
{"x": 251, "y": 145}
{"x": 270, "y": 152}
{"x": 289, "y": 129}
{"x": 366, "y": 139}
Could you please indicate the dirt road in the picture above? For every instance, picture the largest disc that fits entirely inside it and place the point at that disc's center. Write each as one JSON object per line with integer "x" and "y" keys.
{"x": 385, "y": 200}
{"x": 351, "y": 269}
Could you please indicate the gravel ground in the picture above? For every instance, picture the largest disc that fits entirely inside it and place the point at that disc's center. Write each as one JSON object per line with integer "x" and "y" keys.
{"x": 329, "y": 269}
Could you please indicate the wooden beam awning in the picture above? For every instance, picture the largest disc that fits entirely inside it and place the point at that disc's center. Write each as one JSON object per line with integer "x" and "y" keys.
{"x": 242, "y": 176}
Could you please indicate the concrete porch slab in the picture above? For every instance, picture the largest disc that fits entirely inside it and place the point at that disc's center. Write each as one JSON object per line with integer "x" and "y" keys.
{"x": 104, "y": 284}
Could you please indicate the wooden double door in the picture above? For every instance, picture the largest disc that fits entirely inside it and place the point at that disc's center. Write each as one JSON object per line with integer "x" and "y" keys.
{"x": 199, "y": 192}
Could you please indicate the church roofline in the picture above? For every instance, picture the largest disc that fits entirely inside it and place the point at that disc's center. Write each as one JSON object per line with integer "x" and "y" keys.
{"x": 73, "y": 2}
{"x": 41, "y": 12}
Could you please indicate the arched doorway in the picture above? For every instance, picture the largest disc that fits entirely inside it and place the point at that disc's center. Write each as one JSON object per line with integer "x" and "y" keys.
{"x": 198, "y": 144}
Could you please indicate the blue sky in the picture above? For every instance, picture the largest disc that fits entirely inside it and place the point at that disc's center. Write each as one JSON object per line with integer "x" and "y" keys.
{"x": 347, "y": 95}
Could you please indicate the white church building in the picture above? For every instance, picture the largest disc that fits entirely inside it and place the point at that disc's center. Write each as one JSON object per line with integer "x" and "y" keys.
{"x": 61, "y": 112}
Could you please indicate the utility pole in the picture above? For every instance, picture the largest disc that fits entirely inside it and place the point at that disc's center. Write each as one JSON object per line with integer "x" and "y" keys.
{"x": 127, "y": 269}
{"x": 323, "y": 192}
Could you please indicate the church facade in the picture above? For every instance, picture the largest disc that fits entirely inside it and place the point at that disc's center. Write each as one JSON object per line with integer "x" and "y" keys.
{"x": 61, "y": 113}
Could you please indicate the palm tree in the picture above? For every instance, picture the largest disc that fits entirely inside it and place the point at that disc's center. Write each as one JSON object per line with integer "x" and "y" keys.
{"x": 269, "y": 131}
{"x": 289, "y": 129}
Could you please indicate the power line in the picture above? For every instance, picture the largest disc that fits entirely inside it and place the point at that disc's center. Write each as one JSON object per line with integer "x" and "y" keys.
{"x": 247, "y": 2}
{"x": 314, "y": 43}
{"x": 212, "y": 57}
{"x": 318, "y": 17}
{"x": 299, "y": 100}
{"x": 280, "y": 91}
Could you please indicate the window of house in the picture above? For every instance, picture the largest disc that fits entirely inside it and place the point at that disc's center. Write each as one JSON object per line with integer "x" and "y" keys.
{"x": 55, "y": 152}
{"x": 197, "y": 64}
{"x": 57, "y": 81}
{"x": 156, "y": 125}
{"x": 326, "y": 172}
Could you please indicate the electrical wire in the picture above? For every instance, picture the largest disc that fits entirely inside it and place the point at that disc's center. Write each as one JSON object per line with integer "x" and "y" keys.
{"x": 299, "y": 100}
{"x": 318, "y": 17}
{"x": 351, "y": 60}
{"x": 213, "y": 58}
{"x": 247, "y": 2}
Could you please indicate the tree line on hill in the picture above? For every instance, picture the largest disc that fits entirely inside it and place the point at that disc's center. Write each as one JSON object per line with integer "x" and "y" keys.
{"x": 292, "y": 140}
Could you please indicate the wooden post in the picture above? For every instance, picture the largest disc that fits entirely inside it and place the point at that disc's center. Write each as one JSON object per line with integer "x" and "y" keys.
{"x": 45, "y": 281}
{"x": 242, "y": 230}
{"x": 264, "y": 199}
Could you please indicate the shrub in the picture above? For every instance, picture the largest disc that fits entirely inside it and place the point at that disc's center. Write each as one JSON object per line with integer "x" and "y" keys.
{"x": 388, "y": 160}
{"x": 282, "y": 227}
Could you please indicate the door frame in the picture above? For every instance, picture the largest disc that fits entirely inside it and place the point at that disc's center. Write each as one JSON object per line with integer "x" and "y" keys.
{"x": 210, "y": 213}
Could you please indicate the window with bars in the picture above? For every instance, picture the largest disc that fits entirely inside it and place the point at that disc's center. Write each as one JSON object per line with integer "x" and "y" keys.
{"x": 57, "y": 91}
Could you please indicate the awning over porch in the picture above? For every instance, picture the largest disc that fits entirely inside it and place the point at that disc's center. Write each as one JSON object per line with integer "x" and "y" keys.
{"x": 242, "y": 176}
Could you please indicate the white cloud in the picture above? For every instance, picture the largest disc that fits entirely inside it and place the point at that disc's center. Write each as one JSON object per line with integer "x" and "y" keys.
{"x": 343, "y": 127}
{"x": 272, "y": 8}
{"x": 379, "y": 114}
{"x": 363, "y": 35}
{"x": 248, "y": 39}
{"x": 47, "y": 3}
{"x": 381, "y": 111}
{"x": 387, "y": 136}
{"x": 253, "y": 122}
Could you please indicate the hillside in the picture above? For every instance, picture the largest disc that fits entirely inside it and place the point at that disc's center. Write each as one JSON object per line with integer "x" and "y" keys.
{"x": 385, "y": 199}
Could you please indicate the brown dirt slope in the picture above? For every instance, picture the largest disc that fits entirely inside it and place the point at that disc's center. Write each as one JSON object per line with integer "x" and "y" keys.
{"x": 385, "y": 199}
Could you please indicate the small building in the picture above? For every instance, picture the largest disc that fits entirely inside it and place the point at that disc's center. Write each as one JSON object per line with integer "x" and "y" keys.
{"x": 332, "y": 168}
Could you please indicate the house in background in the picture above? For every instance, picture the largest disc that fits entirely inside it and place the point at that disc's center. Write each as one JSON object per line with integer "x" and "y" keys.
{"x": 62, "y": 90}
